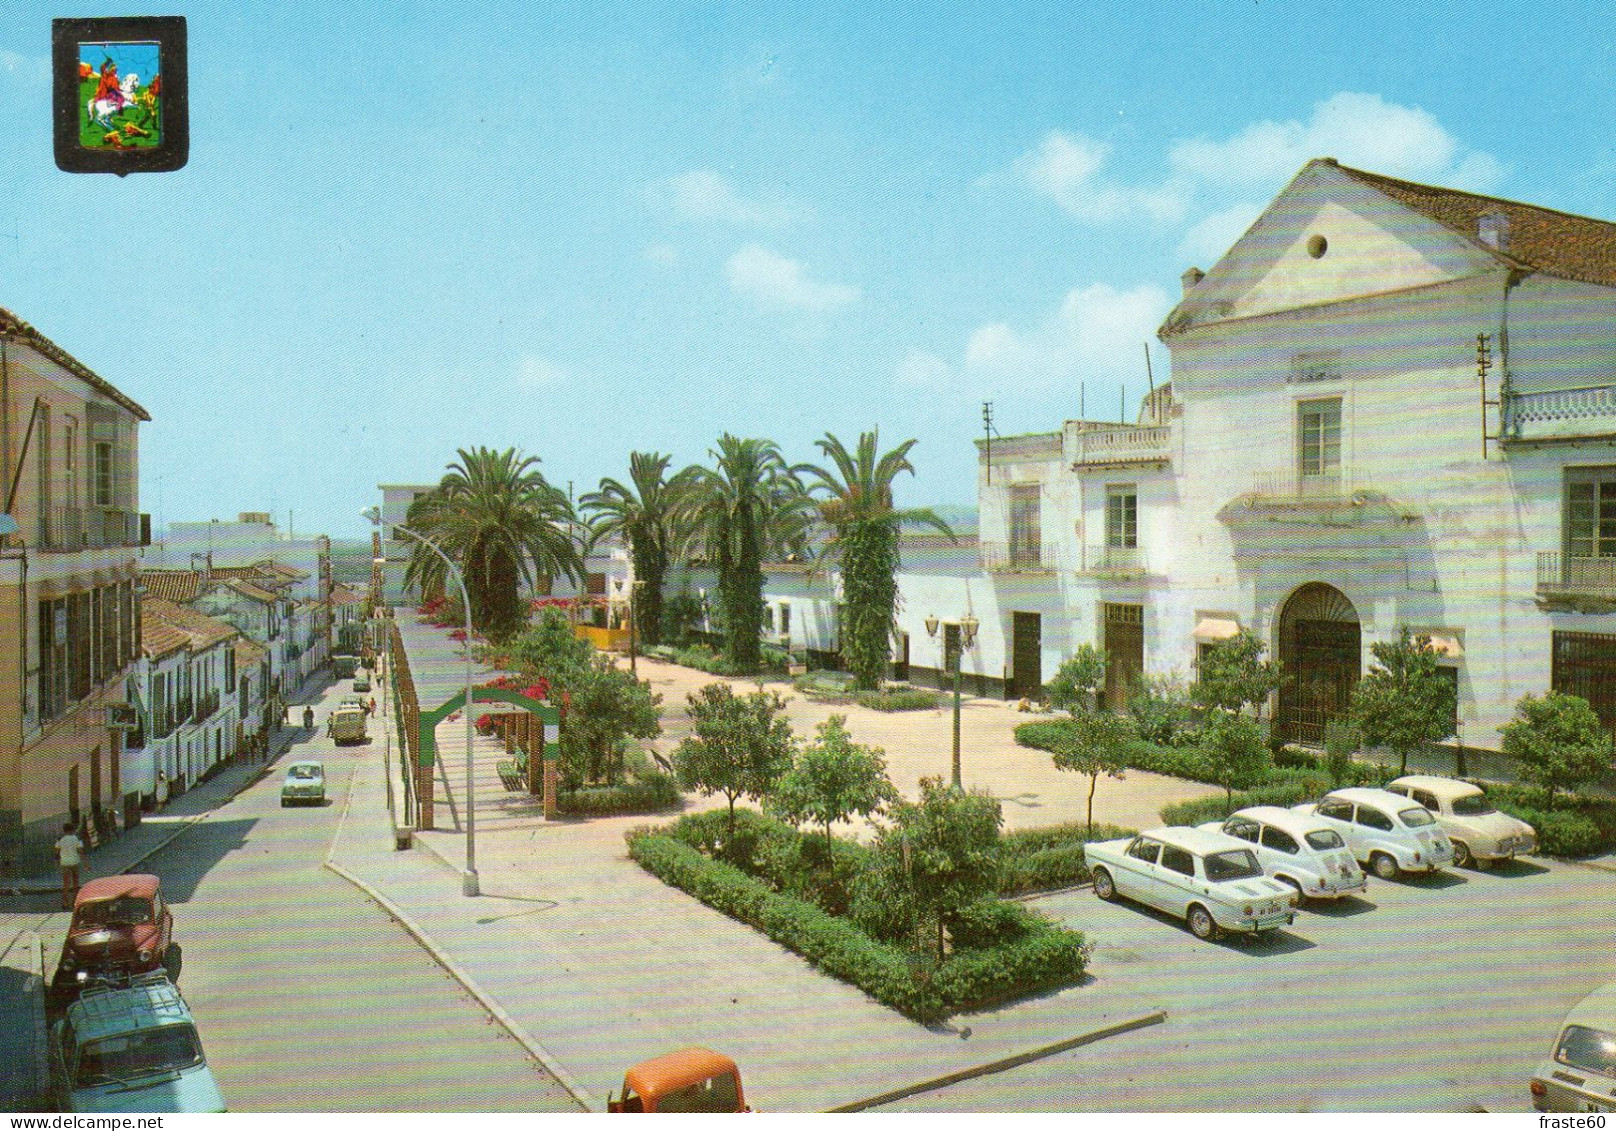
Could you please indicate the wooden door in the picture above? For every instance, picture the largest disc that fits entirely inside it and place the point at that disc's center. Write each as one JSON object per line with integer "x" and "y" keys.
{"x": 1026, "y": 663}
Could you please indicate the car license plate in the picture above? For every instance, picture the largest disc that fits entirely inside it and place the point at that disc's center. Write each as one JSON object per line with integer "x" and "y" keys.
{"x": 1593, "y": 1105}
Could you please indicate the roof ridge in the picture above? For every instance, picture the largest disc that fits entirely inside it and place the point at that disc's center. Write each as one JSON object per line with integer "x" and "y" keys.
{"x": 1364, "y": 174}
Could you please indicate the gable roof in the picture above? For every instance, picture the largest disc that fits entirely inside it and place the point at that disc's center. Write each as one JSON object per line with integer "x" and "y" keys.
{"x": 248, "y": 651}
{"x": 16, "y": 329}
{"x": 1563, "y": 244}
{"x": 179, "y": 585}
{"x": 255, "y": 592}
{"x": 158, "y": 638}
{"x": 254, "y": 574}
{"x": 270, "y": 565}
{"x": 202, "y": 630}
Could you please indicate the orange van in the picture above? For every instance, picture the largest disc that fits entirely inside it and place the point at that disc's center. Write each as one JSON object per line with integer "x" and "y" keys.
{"x": 690, "y": 1080}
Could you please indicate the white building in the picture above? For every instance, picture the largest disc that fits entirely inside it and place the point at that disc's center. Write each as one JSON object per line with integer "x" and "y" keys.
{"x": 1392, "y": 406}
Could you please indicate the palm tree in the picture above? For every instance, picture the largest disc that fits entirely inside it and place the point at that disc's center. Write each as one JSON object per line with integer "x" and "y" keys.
{"x": 643, "y": 514}
{"x": 857, "y": 506}
{"x": 746, "y": 507}
{"x": 495, "y": 515}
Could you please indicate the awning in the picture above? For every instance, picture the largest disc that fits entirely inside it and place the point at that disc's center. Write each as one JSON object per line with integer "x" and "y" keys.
{"x": 1445, "y": 644}
{"x": 1210, "y": 630}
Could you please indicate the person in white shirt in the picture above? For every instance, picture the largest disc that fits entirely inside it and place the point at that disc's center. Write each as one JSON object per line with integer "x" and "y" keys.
{"x": 67, "y": 851}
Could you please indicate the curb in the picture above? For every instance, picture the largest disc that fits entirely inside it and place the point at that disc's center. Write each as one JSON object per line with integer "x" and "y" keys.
{"x": 41, "y": 1031}
{"x": 1003, "y": 1063}
{"x": 534, "y": 1049}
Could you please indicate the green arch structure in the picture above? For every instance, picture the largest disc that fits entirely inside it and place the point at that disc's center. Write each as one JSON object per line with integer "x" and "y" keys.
{"x": 428, "y": 748}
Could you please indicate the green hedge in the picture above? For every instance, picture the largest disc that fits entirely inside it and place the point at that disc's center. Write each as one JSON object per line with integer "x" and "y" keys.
{"x": 1002, "y": 951}
{"x": 898, "y": 699}
{"x": 1048, "y": 858}
{"x": 825, "y": 683}
{"x": 651, "y": 792}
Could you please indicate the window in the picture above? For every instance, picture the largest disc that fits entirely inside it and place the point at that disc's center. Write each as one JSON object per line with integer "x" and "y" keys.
{"x": 1325, "y": 838}
{"x": 1242, "y": 827}
{"x": 1416, "y": 818}
{"x": 1279, "y": 840}
{"x": 1375, "y": 819}
{"x": 1121, "y": 517}
{"x": 785, "y": 619}
{"x": 1318, "y": 425}
{"x": 102, "y": 472}
{"x": 1590, "y": 512}
{"x": 1590, "y": 1049}
{"x": 1232, "y": 864}
{"x": 1178, "y": 860}
{"x": 1335, "y": 808}
{"x": 1025, "y": 526}
{"x": 1426, "y": 799}
{"x": 1146, "y": 850}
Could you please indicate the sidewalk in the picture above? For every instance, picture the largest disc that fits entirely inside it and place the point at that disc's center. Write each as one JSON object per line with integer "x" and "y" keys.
{"x": 596, "y": 965}
{"x": 126, "y": 852}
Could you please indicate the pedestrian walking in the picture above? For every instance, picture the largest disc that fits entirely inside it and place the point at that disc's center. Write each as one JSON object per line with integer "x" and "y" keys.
{"x": 308, "y": 719}
{"x": 370, "y": 708}
{"x": 68, "y": 848}
{"x": 162, "y": 789}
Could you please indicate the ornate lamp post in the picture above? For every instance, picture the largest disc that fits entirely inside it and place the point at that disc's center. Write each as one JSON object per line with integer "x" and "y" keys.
{"x": 469, "y": 884}
{"x": 967, "y": 626}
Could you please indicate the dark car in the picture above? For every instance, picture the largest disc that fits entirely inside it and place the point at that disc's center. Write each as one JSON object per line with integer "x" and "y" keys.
{"x": 121, "y": 927}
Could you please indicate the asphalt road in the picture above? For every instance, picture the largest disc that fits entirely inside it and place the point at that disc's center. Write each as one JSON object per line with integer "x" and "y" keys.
{"x": 1435, "y": 993}
{"x": 308, "y": 996}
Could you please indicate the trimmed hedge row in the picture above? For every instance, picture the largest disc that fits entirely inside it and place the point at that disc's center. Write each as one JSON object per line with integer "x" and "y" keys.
{"x": 1044, "y": 859}
{"x": 898, "y": 699}
{"x": 651, "y": 792}
{"x": 1002, "y": 951}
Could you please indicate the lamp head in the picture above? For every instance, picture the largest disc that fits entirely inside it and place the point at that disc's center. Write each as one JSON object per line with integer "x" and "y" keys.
{"x": 968, "y": 625}
{"x": 931, "y": 625}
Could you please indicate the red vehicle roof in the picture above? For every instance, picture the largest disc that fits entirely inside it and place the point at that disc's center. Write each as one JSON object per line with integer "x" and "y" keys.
{"x": 110, "y": 887}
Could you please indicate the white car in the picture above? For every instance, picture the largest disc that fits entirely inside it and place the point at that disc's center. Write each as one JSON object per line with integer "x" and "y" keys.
{"x": 1386, "y": 832}
{"x": 1213, "y": 882}
{"x": 1480, "y": 833}
{"x": 1580, "y": 1075}
{"x": 1298, "y": 849}
{"x": 304, "y": 784}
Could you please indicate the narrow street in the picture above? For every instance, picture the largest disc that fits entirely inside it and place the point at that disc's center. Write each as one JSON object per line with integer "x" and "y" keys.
{"x": 308, "y": 996}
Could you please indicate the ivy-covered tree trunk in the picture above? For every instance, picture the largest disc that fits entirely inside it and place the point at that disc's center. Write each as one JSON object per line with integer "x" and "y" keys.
{"x": 493, "y": 585}
{"x": 743, "y": 594}
{"x": 870, "y": 590}
{"x": 650, "y": 568}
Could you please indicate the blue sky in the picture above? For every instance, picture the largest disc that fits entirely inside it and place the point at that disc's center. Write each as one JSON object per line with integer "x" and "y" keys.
{"x": 406, "y": 228}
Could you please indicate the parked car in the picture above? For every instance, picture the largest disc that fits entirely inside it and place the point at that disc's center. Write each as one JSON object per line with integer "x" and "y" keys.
{"x": 1480, "y": 833}
{"x": 362, "y": 681}
{"x": 1296, "y": 849}
{"x": 304, "y": 784}
{"x": 1387, "y": 832}
{"x": 121, "y": 926}
{"x": 690, "y": 1080}
{"x": 131, "y": 1048}
{"x": 1210, "y": 880}
{"x": 1580, "y": 1074}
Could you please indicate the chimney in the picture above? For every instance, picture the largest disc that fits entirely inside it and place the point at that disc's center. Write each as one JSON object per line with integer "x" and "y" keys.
{"x": 1191, "y": 277}
{"x": 1492, "y": 229}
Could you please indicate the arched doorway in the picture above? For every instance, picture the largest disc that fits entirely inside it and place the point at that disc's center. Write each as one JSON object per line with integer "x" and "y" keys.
{"x": 1320, "y": 650}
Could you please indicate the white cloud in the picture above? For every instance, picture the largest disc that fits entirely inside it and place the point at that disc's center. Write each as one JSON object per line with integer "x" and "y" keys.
{"x": 1211, "y": 236}
{"x": 702, "y": 194}
{"x": 1361, "y": 130}
{"x": 1066, "y": 169}
{"x": 773, "y": 280}
{"x": 540, "y": 373}
{"x": 924, "y": 370}
{"x": 1096, "y": 333}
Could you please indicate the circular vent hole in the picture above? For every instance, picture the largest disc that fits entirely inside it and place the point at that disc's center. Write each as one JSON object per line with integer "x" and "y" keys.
{"x": 1317, "y": 246}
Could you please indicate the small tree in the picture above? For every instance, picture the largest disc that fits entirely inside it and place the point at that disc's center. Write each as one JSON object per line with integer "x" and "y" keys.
{"x": 1237, "y": 747}
{"x": 1557, "y": 741}
{"x": 941, "y": 855}
{"x": 832, "y": 779}
{"x": 1341, "y": 742}
{"x": 1079, "y": 681}
{"x": 740, "y": 745}
{"x": 1097, "y": 744}
{"x": 607, "y": 706}
{"x": 1403, "y": 702}
{"x": 1233, "y": 675}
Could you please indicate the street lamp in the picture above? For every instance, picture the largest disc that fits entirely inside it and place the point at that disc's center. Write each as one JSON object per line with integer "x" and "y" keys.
{"x": 967, "y": 633}
{"x": 468, "y": 880}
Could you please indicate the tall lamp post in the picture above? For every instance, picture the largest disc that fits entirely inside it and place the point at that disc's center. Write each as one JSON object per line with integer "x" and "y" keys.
{"x": 468, "y": 880}
{"x": 951, "y": 658}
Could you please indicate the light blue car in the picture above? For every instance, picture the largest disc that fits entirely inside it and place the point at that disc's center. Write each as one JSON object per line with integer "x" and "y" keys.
{"x": 131, "y": 1048}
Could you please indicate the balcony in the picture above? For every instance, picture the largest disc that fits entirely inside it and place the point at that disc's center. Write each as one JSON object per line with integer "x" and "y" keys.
{"x": 1013, "y": 557}
{"x": 65, "y": 529}
{"x": 1560, "y": 414}
{"x": 206, "y": 706}
{"x": 1109, "y": 445}
{"x": 1115, "y": 561}
{"x": 1585, "y": 584}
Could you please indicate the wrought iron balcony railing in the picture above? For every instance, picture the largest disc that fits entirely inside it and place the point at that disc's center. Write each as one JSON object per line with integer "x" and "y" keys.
{"x": 1559, "y": 573}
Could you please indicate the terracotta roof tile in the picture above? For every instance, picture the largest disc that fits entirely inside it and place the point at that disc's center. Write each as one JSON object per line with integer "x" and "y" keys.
{"x": 1556, "y": 243}
{"x": 204, "y": 631}
{"x": 158, "y": 637}
{"x": 249, "y": 651}
{"x": 256, "y": 592}
{"x": 179, "y": 585}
